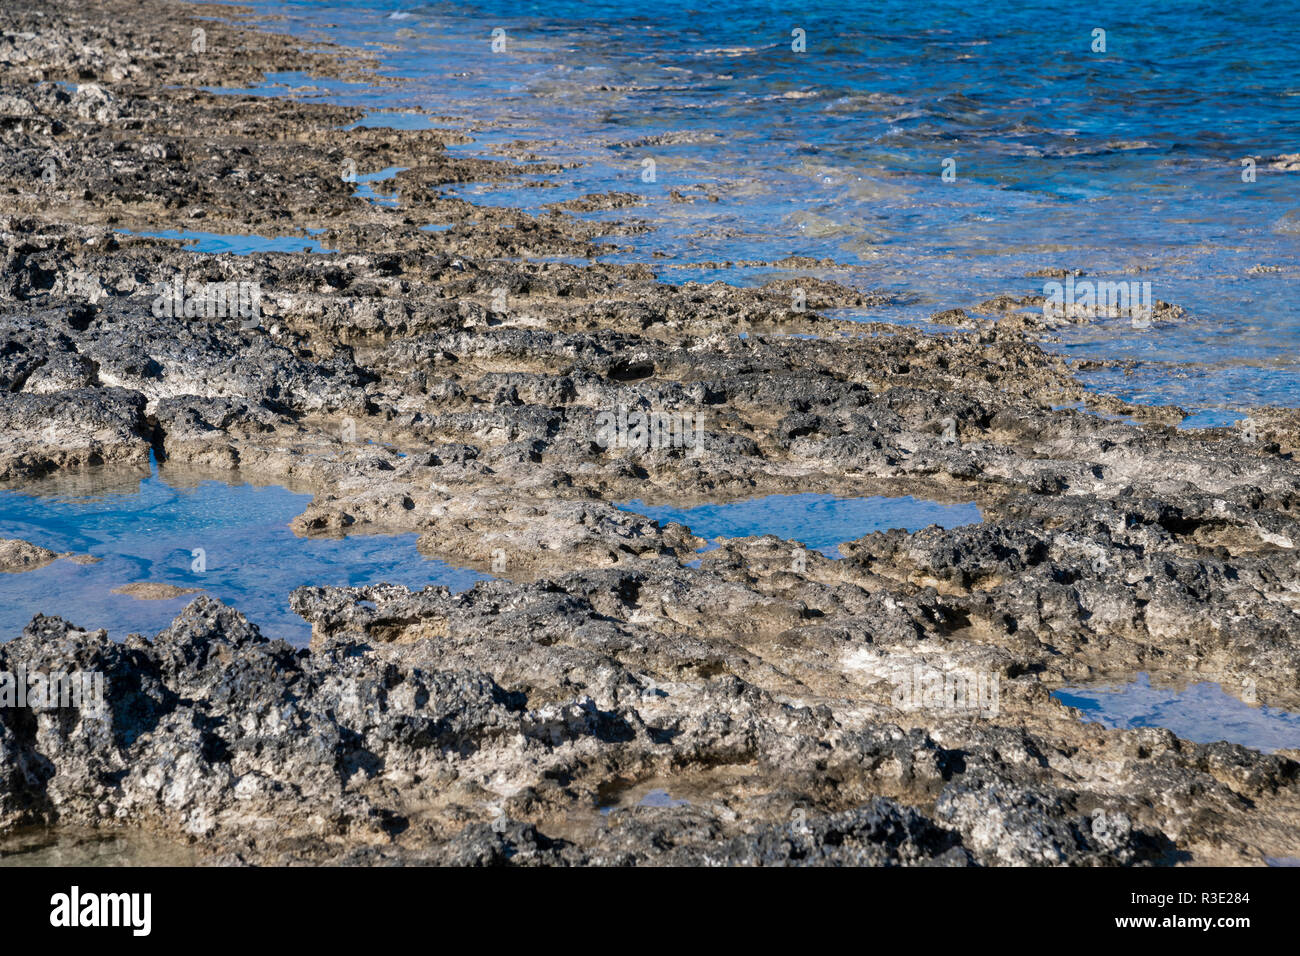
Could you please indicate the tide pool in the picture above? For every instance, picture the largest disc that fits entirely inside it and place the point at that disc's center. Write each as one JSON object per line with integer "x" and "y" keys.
{"x": 821, "y": 522}
{"x": 232, "y": 541}
{"x": 241, "y": 245}
{"x": 1202, "y": 712}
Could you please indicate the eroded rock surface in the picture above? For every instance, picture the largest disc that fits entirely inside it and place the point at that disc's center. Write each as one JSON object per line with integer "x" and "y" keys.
{"x": 445, "y": 383}
{"x": 17, "y": 556}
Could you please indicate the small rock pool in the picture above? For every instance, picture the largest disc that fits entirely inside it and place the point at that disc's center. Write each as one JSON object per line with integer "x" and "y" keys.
{"x": 1203, "y": 713}
{"x": 231, "y": 541}
{"x": 821, "y": 522}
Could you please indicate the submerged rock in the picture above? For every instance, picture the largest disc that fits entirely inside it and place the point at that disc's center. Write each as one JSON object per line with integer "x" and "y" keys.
{"x": 17, "y": 556}
{"x": 154, "y": 591}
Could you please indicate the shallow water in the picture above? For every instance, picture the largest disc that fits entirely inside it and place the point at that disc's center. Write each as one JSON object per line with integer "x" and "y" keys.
{"x": 1210, "y": 418}
{"x": 1123, "y": 162}
{"x": 1203, "y": 713}
{"x": 231, "y": 540}
{"x": 242, "y": 245}
{"x": 821, "y": 522}
{"x": 366, "y": 190}
{"x": 1124, "y": 419}
{"x": 635, "y": 797}
{"x": 69, "y": 846}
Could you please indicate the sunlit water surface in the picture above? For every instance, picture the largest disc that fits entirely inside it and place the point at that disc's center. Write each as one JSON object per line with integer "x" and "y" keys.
{"x": 230, "y": 541}
{"x": 1124, "y": 162}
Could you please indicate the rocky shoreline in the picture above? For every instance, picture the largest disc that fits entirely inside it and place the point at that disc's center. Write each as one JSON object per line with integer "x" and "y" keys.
{"x": 455, "y": 383}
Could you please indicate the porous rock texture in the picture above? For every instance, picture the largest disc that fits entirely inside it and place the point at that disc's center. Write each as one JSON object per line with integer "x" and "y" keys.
{"x": 613, "y": 696}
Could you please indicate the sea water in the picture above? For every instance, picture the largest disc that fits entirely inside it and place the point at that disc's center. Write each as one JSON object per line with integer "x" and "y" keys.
{"x": 1107, "y": 137}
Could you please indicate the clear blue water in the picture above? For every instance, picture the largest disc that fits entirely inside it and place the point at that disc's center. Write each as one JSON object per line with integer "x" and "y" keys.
{"x": 1123, "y": 163}
{"x": 821, "y": 522}
{"x": 288, "y": 83}
{"x": 150, "y": 533}
{"x": 1210, "y": 418}
{"x": 1203, "y": 713}
{"x": 366, "y": 190}
{"x": 216, "y": 242}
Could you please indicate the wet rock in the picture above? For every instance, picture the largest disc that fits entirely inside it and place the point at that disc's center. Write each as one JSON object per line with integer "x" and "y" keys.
{"x": 451, "y": 385}
{"x": 153, "y": 591}
{"x": 17, "y": 556}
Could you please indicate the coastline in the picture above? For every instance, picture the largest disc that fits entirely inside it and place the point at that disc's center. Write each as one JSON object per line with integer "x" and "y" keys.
{"x": 449, "y": 384}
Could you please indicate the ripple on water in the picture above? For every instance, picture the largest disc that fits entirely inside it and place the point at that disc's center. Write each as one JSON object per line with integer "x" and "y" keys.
{"x": 763, "y": 152}
{"x": 1203, "y": 713}
{"x": 396, "y": 119}
{"x": 161, "y": 532}
{"x": 821, "y": 522}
